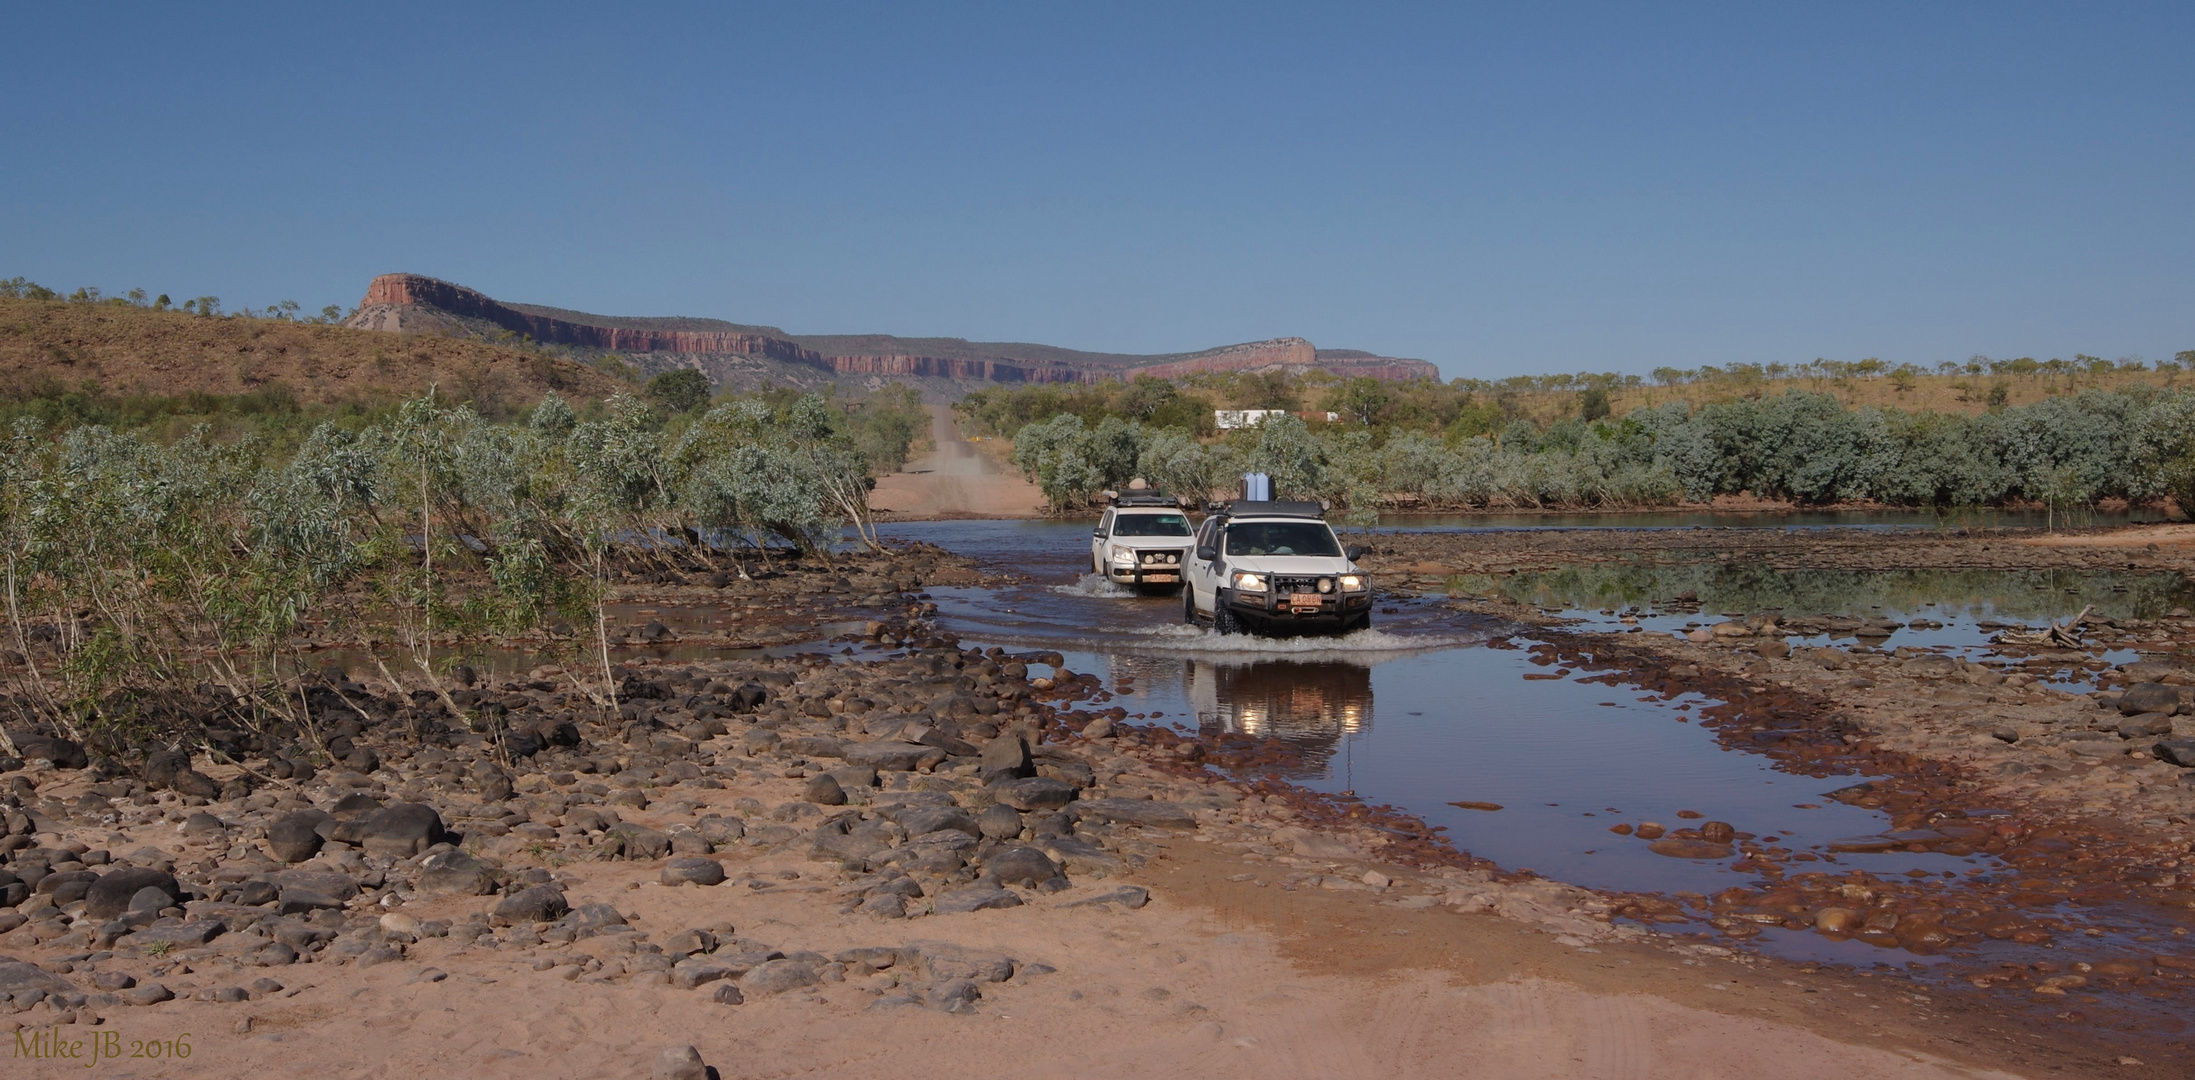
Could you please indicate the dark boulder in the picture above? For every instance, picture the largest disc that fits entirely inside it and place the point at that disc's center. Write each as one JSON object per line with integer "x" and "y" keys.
{"x": 542, "y": 903}
{"x": 111, "y": 896}
{"x": 1020, "y": 865}
{"x": 402, "y": 830}
{"x": 295, "y": 836}
{"x": 2149, "y": 697}
{"x": 1035, "y": 793}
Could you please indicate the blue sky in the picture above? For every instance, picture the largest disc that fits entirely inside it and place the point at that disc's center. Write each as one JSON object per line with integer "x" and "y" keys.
{"x": 1500, "y": 189}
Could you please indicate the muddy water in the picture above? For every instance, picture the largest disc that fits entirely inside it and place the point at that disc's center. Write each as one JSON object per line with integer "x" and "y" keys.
{"x": 1802, "y": 519}
{"x": 1430, "y": 707}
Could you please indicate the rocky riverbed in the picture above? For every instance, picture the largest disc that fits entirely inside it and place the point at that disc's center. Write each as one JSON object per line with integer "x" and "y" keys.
{"x": 889, "y": 832}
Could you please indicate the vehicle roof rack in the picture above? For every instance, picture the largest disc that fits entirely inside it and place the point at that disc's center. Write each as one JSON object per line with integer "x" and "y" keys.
{"x": 1147, "y": 499}
{"x": 1272, "y": 508}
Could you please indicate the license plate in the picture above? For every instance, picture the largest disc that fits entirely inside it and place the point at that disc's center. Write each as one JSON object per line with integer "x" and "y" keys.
{"x": 1148, "y": 576}
{"x": 1304, "y": 603}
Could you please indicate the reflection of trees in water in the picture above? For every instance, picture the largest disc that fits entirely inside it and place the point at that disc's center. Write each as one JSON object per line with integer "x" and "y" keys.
{"x": 1311, "y": 706}
{"x": 2022, "y": 594}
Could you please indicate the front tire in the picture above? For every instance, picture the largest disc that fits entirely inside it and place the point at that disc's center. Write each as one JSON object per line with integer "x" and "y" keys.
{"x": 1189, "y": 606}
{"x": 1223, "y": 618}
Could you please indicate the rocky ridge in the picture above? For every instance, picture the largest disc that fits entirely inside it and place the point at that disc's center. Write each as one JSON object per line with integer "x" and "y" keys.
{"x": 411, "y": 302}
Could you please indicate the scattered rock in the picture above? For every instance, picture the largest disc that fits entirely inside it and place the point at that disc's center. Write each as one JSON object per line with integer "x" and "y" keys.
{"x": 539, "y": 904}
{"x": 454, "y": 873}
{"x": 823, "y": 789}
{"x": 2146, "y": 697}
{"x": 680, "y": 1062}
{"x": 974, "y": 898}
{"x": 693, "y": 871}
{"x": 114, "y": 894}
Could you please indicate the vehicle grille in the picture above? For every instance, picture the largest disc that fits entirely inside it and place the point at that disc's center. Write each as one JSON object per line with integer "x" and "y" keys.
{"x": 1291, "y": 583}
{"x": 1159, "y": 558}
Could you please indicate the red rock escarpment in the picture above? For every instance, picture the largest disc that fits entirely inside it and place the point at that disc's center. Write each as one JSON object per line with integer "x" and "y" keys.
{"x": 402, "y": 301}
{"x": 398, "y": 291}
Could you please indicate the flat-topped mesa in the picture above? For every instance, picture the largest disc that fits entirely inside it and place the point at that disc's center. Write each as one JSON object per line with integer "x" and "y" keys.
{"x": 389, "y": 295}
{"x": 1292, "y": 353}
{"x": 415, "y": 303}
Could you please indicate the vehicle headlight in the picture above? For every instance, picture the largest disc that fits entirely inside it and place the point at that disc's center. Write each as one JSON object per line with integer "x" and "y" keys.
{"x": 1123, "y": 555}
{"x": 1352, "y": 583}
{"x": 1250, "y": 582}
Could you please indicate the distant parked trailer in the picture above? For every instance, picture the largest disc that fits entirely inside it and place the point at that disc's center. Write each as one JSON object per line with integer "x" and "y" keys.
{"x": 1230, "y": 419}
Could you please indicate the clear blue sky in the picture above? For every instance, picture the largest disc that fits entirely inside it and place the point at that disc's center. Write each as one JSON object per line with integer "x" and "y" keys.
{"x": 1501, "y": 189}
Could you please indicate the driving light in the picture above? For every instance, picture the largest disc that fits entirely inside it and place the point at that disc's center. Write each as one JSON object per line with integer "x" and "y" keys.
{"x": 1250, "y": 582}
{"x": 1326, "y": 584}
{"x": 1352, "y": 583}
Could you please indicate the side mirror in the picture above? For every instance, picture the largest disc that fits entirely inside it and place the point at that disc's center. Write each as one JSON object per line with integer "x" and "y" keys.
{"x": 1353, "y": 552}
{"x": 1097, "y": 534}
{"x": 1207, "y": 554}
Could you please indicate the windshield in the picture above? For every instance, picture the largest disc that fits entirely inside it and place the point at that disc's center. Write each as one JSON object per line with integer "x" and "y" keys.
{"x": 1151, "y": 525}
{"x": 1281, "y": 538}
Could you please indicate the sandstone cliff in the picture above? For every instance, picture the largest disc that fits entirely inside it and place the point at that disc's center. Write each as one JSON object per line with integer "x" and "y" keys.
{"x": 417, "y": 304}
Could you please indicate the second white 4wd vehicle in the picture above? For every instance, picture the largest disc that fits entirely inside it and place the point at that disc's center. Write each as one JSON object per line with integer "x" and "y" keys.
{"x": 1274, "y": 568}
{"x": 1142, "y": 542}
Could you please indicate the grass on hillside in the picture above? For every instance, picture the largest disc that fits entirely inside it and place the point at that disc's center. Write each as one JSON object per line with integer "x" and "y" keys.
{"x": 60, "y": 358}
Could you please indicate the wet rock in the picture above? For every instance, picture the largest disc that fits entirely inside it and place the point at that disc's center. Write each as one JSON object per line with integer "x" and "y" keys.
{"x": 2149, "y": 697}
{"x": 1773, "y": 648}
{"x": 114, "y": 894}
{"x": 680, "y": 1063}
{"x": 1651, "y": 830}
{"x": 1717, "y": 832}
{"x": 1035, "y": 793}
{"x": 1679, "y": 848}
{"x": 823, "y": 789}
{"x": 693, "y": 871}
{"x": 1837, "y": 920}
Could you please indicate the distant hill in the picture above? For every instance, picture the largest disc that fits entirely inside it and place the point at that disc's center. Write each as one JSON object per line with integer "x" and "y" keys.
{"x": 733, "y": 353}
{"x": 50, "y": 346}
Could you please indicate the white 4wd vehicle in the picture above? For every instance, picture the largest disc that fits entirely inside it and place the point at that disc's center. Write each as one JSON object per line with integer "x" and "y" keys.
{"x": 1142, "y": 542}
{"x": 1274, "y": 567}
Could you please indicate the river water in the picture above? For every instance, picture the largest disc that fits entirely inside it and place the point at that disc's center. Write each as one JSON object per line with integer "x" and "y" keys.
{"x": 1434, "y": 706}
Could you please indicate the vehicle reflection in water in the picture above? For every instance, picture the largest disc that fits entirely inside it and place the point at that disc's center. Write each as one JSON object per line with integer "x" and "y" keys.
{"x": 1310, "y": 706}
